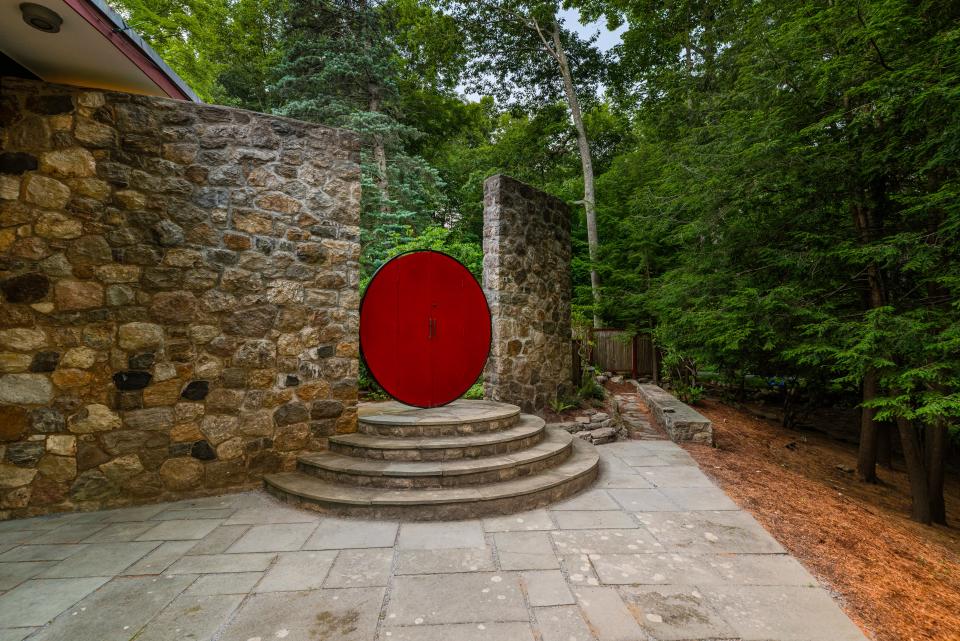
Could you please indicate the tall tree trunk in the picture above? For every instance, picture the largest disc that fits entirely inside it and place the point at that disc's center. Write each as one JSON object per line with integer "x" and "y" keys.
{"x": 885, "y": 445}
{"x": 936, "y": 449}
{"x": 867, "y": 452}
{"x": 586, "y": 163}
{"x": 869, "y": 223}
{"x": 379, "y": 152}
{"x": 916, "y": 470}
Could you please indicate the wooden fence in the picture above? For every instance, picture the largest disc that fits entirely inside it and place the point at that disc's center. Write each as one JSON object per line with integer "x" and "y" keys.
{"x": 617, "y": 351}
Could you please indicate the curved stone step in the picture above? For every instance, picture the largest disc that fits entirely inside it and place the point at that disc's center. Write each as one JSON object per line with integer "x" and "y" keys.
{"x": 461, "y": 417}
{"x": 331, "y": 466}
{"x": 527, "y": 432}
{"x": 506, "y": 497}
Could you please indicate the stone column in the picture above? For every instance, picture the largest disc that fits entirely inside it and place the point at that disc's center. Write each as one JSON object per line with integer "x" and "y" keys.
{"x": 526, "y": 277}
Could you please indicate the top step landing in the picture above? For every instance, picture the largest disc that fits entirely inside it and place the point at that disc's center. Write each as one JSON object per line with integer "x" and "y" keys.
{"x": 459, "y": 417}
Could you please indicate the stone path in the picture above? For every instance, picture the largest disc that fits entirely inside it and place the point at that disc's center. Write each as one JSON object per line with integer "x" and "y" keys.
{"x": 654, "y": 551}
{"x": 636, "y": 417}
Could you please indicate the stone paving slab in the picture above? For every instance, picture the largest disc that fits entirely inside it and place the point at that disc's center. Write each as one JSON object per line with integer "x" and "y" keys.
{"x": 626, "y": 541}
{"x": 337, "y": 534}
{"x": 607, "y": 614}
{"x": 119, "y": 533}
{"x": 36, "y": 601}
{"x": 546, "y": 587}
{"x": 653, "y": 551}
{"x": 13, "y": 574}
{"x": 640, "y": 500}
{"x": 434, "y": 536}
{"x": 562, "y": 623}
{"x": 461, "y": 632}
{"x": 676, "y": 613}
{"x": 705, "y": 532}
{"x": 202, "y": 615}
{"x": 179, "y": 530}
{"x": 116, "y": 611}
{"x": 18, "y": 634}
{"x": 698, "y": 498}
{"x": 445, "y": 561}
{"x": 220, "y": 563}
{"x": 40, "y": 553}
{"x": 282, "y": 537}
{"x": 623, "y": 480}
{"x": 578, "y": 569}
{"x": 525, "y": 551}
{"x": 522, "y": 522}
{"x": 161, "y": 558}
{"x": 219, "y": 540}
{"x": 652, "y": 569}
{"x": 571, "y": 520}
{"x": 227, "y": 583}
{"x": 785, "y": 613}
{"x": 365, "y": 568}
{"x": 297, "y": 571}
{"x": 345, "y": 615}
{"x": 102, "y": 559}
{"x": 589, "y": 500}
{"x": 68, "y": 534}
{"x": 481, "y": 597}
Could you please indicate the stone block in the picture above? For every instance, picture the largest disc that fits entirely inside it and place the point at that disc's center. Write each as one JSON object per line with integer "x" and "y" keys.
{"x": 181, "y": 473}
{"x": 680, "y": 421}
{"x": 77, "y": 295}
{"x": 72, "y": 162}
{"x": 45, "y": 192}
{"x": 25, "y": 389}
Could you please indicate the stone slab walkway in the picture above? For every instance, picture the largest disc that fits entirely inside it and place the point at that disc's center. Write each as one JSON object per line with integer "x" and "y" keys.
{"x": 654, "y": 551}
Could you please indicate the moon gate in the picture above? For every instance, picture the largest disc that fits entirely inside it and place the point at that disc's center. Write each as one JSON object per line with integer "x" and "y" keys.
{"x": 424, "y": 328}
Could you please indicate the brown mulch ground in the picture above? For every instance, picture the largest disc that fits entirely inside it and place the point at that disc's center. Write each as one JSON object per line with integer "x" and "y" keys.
{"x": 620, "y": 388}
{"x": 898, "y": 580}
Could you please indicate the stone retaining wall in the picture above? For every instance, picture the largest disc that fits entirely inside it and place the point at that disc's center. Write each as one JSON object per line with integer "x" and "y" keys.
{"x": 680, "y": 421}
{"x": 526, "y": 278}
{"x": 178, "y": 296}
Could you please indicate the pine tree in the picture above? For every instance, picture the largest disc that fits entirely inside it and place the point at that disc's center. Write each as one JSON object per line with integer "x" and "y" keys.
{"x": 340, "y": 68}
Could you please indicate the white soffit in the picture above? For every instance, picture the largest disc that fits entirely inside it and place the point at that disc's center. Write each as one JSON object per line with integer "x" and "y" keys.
{"x": 77, "y": 55}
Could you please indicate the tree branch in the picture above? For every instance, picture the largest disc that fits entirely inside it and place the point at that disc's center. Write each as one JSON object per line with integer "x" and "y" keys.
{"x": 880, "y": 59}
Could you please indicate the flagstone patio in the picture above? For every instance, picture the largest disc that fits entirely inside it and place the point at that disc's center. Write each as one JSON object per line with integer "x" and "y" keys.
{"x": 654, "y": 551}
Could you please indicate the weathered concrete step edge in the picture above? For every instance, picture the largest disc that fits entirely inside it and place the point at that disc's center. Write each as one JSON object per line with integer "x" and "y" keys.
{"x": 680, "y": 421}
{"x": 575, "y": 474}
{"x": 528, "y": 431}
{"x": 393, "y": 425}
{"x": 552, "y": 451}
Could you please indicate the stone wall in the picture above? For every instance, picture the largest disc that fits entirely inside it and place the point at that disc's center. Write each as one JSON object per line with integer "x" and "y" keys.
{"x": 526, "y": 277}
{"x": 178, "y": 296}
{"x": 680, "y": 421}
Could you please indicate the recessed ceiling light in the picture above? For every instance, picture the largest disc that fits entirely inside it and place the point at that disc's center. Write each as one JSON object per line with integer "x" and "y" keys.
{"x": 41, "y": 18}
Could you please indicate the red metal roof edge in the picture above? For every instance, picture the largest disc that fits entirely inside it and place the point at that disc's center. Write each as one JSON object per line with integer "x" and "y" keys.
{"x": 131, "y": 45}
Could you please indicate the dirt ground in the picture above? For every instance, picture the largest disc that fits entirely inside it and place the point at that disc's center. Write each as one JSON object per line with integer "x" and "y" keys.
{"x": 898, "y": 580}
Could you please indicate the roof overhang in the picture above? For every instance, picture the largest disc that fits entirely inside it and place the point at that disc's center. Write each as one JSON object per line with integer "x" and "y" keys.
{"x": 94, "y": 48}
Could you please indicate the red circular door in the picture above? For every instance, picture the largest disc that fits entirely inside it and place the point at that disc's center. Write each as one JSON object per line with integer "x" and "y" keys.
{"x": 424, "y": 328}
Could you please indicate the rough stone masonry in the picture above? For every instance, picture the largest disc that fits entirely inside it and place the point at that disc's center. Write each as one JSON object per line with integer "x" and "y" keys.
{"x": 178, "y": 296}
{"x": 526, "y": 277}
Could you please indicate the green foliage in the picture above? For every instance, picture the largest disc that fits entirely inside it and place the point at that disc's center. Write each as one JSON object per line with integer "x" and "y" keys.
{"x": 590, "y": 389}
{"x": 790, "y": 161}
{"x": 367, "y": 384}
{"x": 559, "y": 405}
{"x": 341, "y": 67}
{"x": 475, "y": 392}
{"x": 224, "y": 49}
